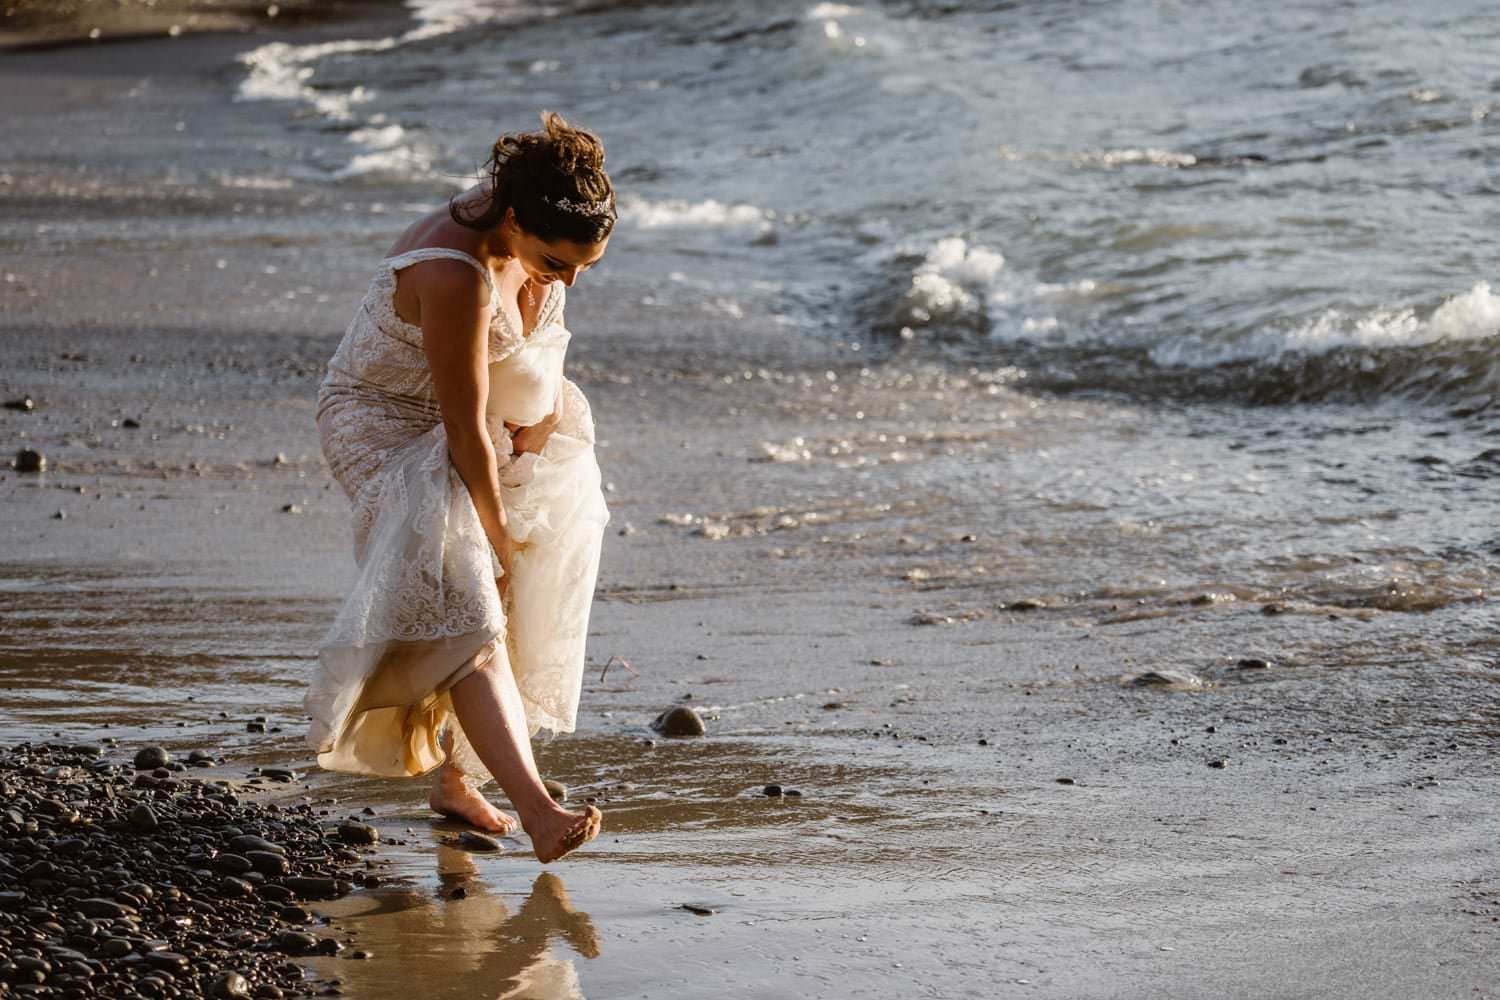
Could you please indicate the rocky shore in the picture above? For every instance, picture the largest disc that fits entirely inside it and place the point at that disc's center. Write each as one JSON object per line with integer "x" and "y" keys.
{"x": 128, "y": 880}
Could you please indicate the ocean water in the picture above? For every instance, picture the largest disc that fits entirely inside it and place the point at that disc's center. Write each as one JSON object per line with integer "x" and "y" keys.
{"x": 1291, "y": 198}
{"x": 1264, "y": 234}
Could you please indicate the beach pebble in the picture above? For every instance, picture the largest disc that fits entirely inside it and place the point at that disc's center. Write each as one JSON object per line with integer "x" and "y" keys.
{"x": 1067, "y": 781}
{"x": 1024, "y": 604}
{"x": 471, "y": 840}
{"x": 230, "y": 986}
{"x": 30, "y": 460}
{"x": 699, "y": 909}
{"x": 679, "y": 721}
{"x": 556, "y": 789}
{"x": 1178, "y": 679}
{"x": 24, "y": 405}
{"x": 150, "y": 758}
{"x": 1253, "y": 663}
{"x": 143, "y": 818}
{"x": 1219, "y": 763}
{"x": 351, "y": 832}
{"x": 772, "y": 791}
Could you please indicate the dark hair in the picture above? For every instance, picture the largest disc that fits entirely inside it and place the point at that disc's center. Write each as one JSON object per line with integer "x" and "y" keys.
{"x": 542, "y": 175}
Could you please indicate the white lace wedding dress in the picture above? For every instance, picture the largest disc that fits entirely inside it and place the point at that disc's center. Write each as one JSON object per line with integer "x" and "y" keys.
{"x": 425, "y": 611}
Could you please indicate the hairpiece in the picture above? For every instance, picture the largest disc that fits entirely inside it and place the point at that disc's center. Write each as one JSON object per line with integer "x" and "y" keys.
{"x": 600, "y": 208}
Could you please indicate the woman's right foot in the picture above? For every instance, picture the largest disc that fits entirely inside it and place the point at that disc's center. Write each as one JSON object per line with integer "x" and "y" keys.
{"x": 560, "y": 832}
{"x": 453, "y": 798}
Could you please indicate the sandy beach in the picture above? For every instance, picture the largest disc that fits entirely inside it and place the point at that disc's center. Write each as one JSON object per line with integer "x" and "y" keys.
{"x": 1014, "y": 779}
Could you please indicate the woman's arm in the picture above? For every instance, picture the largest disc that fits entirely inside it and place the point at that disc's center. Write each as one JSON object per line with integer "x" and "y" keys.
{"x": 455, "y": 334}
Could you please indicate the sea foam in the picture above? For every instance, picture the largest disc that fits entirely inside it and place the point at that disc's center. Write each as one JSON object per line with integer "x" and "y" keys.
{"x": 1473, "y": 315}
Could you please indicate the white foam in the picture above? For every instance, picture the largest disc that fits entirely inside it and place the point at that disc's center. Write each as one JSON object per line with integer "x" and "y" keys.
{"x": 1107, "y": 159}
{"x": 1473, "y": 315}
{"x": 709, "y": 214}
{"x": 955, "y": 280}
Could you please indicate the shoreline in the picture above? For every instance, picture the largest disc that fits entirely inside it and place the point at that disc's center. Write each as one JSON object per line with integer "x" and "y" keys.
{"x": 45, "y": 26}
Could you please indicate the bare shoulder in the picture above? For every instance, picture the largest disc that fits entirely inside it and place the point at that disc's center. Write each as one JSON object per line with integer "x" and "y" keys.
{"x": 445, "y": 279}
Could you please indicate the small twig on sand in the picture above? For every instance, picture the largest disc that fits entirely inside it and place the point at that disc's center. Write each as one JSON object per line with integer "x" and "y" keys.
{"x": 617, "y": 658}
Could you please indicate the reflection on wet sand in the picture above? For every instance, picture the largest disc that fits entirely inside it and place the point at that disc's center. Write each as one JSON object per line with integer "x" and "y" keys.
{"x": 484, "y": 947}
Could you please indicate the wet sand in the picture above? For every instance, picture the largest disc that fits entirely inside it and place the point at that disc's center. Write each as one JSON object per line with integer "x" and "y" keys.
{"x": 989, "y": 807}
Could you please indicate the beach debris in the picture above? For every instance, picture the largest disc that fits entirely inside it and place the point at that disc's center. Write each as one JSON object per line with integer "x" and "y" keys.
{"x": 130, "y": 424}
{"x": 772, "y": 791}
{"x": 931, "y": 618}
{"x": 556, "y": 789}
{"x": 680, "y": 720}
{"x": 1253, "y": 663}
{"x": 1218, "y": 763}
{"x": 29, "y": 460}
{"x": 1024, "y": 604}
{"x": 699, "y": 909}
{"x": 23, "y": 405}
{"x": 624, "y": 663}
{"x": 714, "y": 530}
{"x": 1067, "y": 781}
{"x": 292, "y": 508}
{"x": 1212, "y": 597}
{"x": 1179, "y": 680}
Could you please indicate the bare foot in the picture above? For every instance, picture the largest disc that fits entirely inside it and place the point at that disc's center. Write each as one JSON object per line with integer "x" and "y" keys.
{"x": 452, "y": 798}
{"x": 559, "y": 832}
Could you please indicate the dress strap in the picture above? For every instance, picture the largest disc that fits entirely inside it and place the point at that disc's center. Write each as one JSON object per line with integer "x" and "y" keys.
{"x": 402, "y": 260}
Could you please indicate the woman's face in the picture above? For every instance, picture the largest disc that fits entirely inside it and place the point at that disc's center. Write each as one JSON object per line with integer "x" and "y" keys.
{"x": 547, "y": 261}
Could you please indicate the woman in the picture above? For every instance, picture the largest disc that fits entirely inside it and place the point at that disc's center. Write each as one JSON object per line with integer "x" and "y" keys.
{"x": 477, "y": 509}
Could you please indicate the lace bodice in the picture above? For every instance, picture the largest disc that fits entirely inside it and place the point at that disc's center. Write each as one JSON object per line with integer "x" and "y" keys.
{"x": 383, "y": 353}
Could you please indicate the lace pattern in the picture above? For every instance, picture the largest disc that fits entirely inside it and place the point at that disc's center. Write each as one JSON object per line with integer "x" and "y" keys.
{"x": 425, "y": 570}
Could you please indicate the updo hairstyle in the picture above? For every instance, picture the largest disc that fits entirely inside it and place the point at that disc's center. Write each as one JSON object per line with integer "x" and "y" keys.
{"x": 535, "y": 172}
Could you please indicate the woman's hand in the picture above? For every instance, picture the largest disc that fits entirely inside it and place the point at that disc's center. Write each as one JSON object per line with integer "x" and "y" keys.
{"x": 534, "y": 438}
{"x": 505, "y": 551}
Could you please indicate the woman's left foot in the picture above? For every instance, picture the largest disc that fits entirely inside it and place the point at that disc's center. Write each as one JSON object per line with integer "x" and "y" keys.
{"x": 452, "y": 797}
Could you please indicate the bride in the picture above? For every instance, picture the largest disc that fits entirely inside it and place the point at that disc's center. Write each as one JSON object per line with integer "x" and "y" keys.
{"x": 478, "y": 515}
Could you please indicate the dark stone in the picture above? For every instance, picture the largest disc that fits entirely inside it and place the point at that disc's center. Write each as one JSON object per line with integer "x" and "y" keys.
{"x": 351, "y": 832}
{"x": 296, "y": 942}
{"x": 470, "y": 840}
{"x": 1219, "y": 763}
{"x": 143, "y": 818}
{"x": 30, "y": 460}
{"x": 1254, "y": 663}
{"x": 268, "y": 864}
{"x": 556, "y": 789}
{"x": 104, "y": 909}
{"x": 313, "y": 887}
{"x": 229, "y": 986}
{"x": 246, "y": 842}
{"x": 679, "y": 720}
{"x": 150, "y": 758}
{"x": 772, "y": 791}
{"x": 232, "y": 864}
{"x": 1067, "y": 781}
{"x": 114, "y": 948}
{"x": 23, "y": 405}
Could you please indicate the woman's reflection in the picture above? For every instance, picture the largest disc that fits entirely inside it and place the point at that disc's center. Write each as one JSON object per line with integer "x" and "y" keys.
{"x": 468, "y": 944}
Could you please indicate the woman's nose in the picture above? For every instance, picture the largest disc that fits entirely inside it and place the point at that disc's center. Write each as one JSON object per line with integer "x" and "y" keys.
{"x": 568, "y": 277}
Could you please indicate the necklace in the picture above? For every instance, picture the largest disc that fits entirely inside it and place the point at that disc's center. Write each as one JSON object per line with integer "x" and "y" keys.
{"x": 530, "y": 296}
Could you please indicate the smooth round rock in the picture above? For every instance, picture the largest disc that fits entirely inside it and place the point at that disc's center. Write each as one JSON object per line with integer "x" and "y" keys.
{"x": 229, "y": 986}
{"x": 472, "y": 841}
{"x": 772, "y": 791}
{"x": 556, "y": 789}
{"x": 679, "y": 720}
{"x": 296, "y": 942}
{"x": 143, "y": 818}
{"x": 352, "y": 832}
{"x": 30, "y": 460}
{"x": 247, "y": 842}
{"x": 150, "y": 758}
